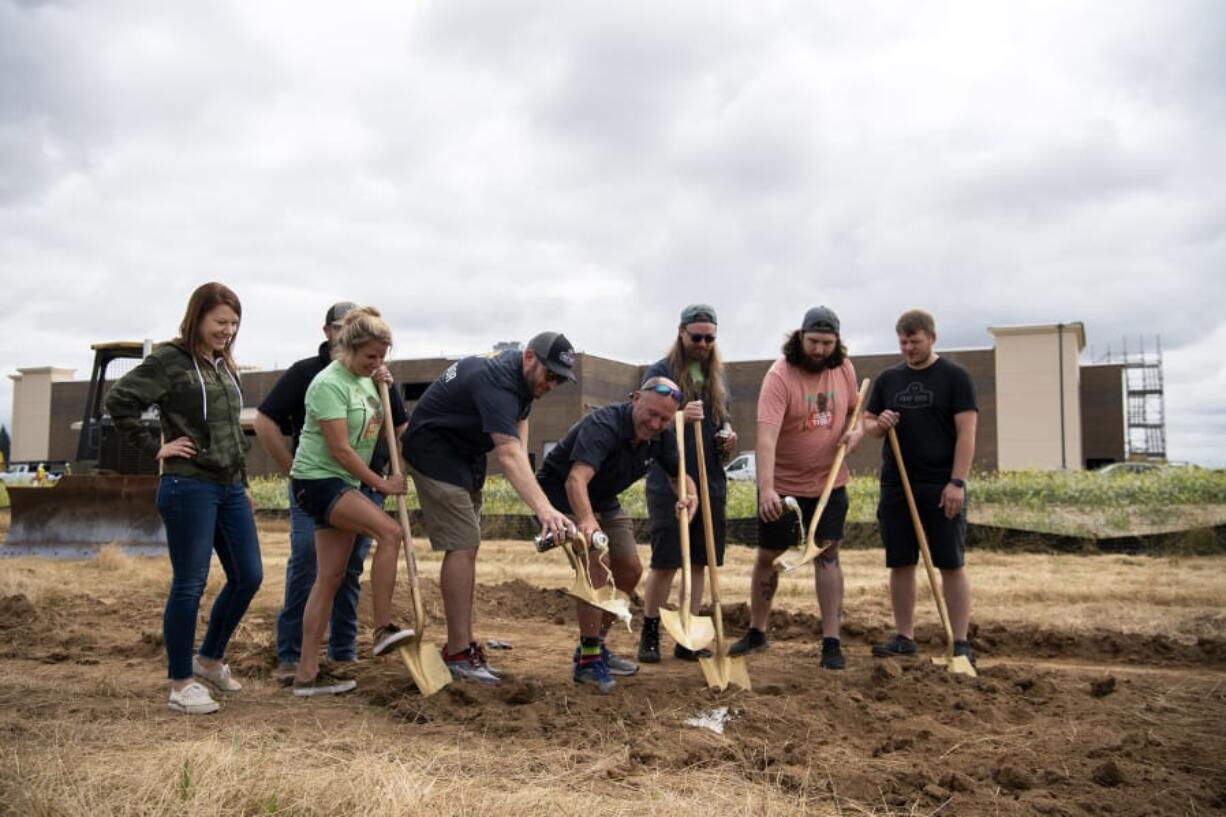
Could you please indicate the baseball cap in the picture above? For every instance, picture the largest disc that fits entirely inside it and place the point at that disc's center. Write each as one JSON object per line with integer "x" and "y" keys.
{"x": 338, "y": 311}
{"x": 698, "y": 313}
{"x": 556, "y": 352}
{"x": 820, "y": 319}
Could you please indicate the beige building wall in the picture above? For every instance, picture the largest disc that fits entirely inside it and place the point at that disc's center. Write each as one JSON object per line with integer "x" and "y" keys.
{"x": 1038, "y": 396}
{"x": 32, "y": 411}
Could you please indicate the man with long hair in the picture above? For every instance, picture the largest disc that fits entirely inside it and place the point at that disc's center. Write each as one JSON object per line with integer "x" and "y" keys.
{"x": 804, "y": 408}
{"x": 694, "y": 364}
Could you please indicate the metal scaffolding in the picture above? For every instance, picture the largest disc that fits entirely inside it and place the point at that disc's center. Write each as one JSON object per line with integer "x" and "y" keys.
{"x": 1145, "y": 405}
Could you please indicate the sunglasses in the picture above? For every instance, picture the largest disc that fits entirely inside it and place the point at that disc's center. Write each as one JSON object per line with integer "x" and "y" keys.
{"x": 553, "y": 377}
{"x": 660, "y": 388}
{"x": 695, "y": 338}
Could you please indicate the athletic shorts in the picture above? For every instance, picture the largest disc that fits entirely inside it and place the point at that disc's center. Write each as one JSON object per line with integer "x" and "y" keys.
{"x": 666, "y": 533}
{"x": 946, "y": 537}
{"x": 319, "y": 496}
{"x": 452, "y": 514}
{"x": 785, "y": 532}
{"x": 619, "y": 527}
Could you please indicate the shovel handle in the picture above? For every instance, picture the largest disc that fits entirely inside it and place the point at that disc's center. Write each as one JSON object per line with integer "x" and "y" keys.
{"x": 708, "y": 525}
{"x": 402, "y": 511}
{"x": 683, "y": 525}
{"x": 922, "y": 537}
{"x": 836, "y": 465}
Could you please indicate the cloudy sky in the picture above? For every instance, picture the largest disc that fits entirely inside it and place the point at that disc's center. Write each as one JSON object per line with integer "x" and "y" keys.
{"x": 484, "y": 170}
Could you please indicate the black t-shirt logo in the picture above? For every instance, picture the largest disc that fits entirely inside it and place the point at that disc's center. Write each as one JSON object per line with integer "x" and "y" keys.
{"x": 914, "y": 396}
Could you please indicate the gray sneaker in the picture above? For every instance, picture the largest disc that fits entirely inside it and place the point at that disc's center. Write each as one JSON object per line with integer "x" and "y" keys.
{"x": 469, "y": 666}
{"x": 324, "y": 683}
{"x": 615, "y": 663}
{"x": 285, "y": 672}
{"x": 389, "y": 636}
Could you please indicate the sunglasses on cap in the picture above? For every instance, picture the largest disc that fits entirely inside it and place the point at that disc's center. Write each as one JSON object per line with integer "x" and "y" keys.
{"x": 696, "y": 338}
{"x": 669, "y": 391}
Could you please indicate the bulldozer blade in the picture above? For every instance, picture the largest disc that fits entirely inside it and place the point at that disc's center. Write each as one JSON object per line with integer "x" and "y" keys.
{"x": 957, "y": 664}
{"x": 692, "y": 632}
{"x": 426, "y": 667}
{"x": 722, "y": 671}
{"x": 81, "y": 514}
{"x": 607, "y": 598}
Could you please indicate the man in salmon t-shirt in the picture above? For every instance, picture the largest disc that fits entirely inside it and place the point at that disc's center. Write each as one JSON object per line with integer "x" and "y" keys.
{"x": 804, "y": 406}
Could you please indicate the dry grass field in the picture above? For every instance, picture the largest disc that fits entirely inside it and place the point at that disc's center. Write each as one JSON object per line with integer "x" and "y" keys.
{"x": 1102, "y": 691}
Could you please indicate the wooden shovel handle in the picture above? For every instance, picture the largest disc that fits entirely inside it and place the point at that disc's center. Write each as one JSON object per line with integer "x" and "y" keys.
{"x": 708, "y": 525}
{"x": 402, "y": 511}
{"x": 937, "y": 595}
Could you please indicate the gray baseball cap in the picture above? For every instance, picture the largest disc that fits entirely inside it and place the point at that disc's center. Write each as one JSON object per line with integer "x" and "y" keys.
{"x": 698, "y": 313}
{"x": 556, "y": 353}
{"x": 820, "y": 319}
{"x": 338, "y": 311}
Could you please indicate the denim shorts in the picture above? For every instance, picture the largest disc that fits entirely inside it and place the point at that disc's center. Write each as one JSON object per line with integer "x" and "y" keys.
{"x": 319, "y": 496}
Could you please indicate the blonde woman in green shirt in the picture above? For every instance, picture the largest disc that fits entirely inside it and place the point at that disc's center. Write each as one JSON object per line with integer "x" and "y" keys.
{"x": 344, "y": 418}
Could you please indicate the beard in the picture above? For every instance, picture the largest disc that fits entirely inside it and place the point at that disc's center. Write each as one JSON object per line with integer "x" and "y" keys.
{"x": 814, "y": 365}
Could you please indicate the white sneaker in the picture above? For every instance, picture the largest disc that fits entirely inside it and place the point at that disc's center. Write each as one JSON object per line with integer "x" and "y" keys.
{"x": 218, "y": 678}
{"x": 193, "y": 699}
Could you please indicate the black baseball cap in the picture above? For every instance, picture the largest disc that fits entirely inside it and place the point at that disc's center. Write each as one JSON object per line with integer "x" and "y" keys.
{"x": 820, "y": 319}
{"x": 698, "y": 313}
{"x": 556, "y": 352}
{"x": 338, "y": 311}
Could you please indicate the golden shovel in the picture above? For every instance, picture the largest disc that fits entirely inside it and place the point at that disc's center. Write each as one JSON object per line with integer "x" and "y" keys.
{"x": 426, "y": 666}
{"x": 959, "y": 664}
{"x": 808, "y": 550}
{"x": 720, "y": 669}
{"x": 690, "y": 631}
{"x": 607, "y": 598}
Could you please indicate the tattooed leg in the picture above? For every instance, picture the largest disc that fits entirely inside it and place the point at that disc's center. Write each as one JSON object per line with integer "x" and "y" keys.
{"x": 828, "y": 578}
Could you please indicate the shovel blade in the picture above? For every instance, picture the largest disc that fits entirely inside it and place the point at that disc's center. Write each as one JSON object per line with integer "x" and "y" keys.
{"x": 607, "y": 598}
{"x": 722, "y": 671}
{"x": 794, "y": 558}
{"x": 957, "y": 664}
{"x": 425, "y": 666}
{"x": 694, "y": 634}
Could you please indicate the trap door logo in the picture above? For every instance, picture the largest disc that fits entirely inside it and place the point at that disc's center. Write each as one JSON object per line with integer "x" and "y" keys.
{"x": 914, "y": 396}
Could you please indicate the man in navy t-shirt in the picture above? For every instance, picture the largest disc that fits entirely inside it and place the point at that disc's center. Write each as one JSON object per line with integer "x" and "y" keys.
{"x": 931, "y": 403}
{"x": 479, "y": 404}
{"x": 602, "y": 455}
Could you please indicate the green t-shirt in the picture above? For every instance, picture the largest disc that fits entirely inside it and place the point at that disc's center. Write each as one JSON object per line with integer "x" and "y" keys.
{"x": 337, "y": 394}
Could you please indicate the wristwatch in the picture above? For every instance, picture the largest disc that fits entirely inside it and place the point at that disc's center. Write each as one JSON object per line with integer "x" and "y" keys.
{"x": 957, "y": 483}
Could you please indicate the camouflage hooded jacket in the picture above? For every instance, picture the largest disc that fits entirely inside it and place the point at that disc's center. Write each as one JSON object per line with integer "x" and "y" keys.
{"x": 201, "y": 402}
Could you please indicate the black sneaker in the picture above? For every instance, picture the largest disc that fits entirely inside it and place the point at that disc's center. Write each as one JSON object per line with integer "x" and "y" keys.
{"x": 832, "y": 654}
{"x": 964, "y": 648}
{"x": 752, "y": 641}
{"x": 649, "y": 642}
{"x": 897, "y": 647}
{"x": 690, "y": 655}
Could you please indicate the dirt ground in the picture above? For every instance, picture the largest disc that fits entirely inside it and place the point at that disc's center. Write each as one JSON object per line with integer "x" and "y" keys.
{"x": 1102, "y": 691}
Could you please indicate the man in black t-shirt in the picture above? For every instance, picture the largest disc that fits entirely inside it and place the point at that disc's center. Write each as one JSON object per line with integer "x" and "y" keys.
{"x": 283, "y": 413}
{"x": 602, "y": 455}
{"x": 930, "y": 402}
{"x": 694, "y": 364}
{"x": 479, "y": 404}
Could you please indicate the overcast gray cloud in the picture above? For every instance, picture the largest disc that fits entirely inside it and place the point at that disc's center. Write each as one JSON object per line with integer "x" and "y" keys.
{"x": 481, "y": 170}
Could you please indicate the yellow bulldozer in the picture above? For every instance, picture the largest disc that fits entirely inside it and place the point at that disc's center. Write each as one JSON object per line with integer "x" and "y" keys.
{"x": 110, "y": 498}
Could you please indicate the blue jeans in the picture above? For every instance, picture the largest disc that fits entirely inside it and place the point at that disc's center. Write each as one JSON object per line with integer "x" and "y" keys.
{"x": 202, "y": 517}
{"x": 300, "y": 575}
